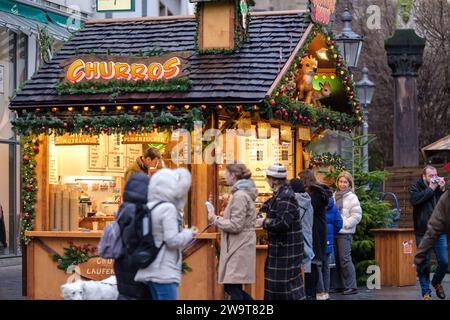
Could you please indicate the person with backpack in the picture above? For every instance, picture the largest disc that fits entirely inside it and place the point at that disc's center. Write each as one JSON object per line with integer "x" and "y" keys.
{"x": 237, "y": 263}
{"x": 166, "y": 199}
{"x": 134, "y": 201}
{"x": 306, "y": 218}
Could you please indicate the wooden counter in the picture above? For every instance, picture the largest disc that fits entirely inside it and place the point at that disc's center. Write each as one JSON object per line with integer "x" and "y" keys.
{"x": 394, "y": 253}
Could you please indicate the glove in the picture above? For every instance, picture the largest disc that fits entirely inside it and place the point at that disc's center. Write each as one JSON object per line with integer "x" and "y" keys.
{"x": 209, "y": 207}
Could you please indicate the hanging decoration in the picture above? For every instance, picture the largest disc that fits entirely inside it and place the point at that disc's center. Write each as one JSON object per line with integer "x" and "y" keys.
{"x": 295, "y": 100}
{"x": 30, "y": 145}
{"x": 327, "y": 159}
{"x": 322, "y": 10}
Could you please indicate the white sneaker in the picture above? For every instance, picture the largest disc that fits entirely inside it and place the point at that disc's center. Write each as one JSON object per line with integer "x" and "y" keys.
{"x": 322, "y": 296}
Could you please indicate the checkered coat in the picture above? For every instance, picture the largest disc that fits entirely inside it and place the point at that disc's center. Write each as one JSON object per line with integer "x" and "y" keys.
{"x": 282, "y": 276}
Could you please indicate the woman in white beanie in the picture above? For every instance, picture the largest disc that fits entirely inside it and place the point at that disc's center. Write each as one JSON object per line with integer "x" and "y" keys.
{"x": 166, "y": 194}
{"x": 282, "y": 277}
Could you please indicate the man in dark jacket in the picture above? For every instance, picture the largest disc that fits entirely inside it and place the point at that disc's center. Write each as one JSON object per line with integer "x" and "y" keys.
{"x": 425, "y": 194}
{"x": 143, "y": 163}
{"x": 134, "y": 198}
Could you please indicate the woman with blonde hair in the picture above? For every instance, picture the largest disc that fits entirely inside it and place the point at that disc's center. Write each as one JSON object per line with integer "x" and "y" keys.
{"x": 237, "y": 261}
{"x": 348, "y": 204}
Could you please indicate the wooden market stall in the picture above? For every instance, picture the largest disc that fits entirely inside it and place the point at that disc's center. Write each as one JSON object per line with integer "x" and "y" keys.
{"x": 120, "y": 86}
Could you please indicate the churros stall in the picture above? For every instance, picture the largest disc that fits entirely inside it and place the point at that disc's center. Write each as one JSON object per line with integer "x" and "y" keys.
{"x": 219, "y": 86}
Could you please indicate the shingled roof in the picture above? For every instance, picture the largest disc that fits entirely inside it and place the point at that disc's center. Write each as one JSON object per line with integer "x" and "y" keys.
{"x": 242, "y": 77}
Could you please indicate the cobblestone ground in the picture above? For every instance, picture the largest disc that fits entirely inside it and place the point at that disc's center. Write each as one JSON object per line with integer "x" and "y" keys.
{"x": 11, "y": 288}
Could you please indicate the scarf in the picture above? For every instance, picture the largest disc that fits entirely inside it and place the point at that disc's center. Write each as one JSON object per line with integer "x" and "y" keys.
{"x": 339, "y": 198}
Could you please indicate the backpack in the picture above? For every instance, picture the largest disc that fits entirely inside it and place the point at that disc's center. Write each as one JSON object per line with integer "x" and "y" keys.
{"x": 135, "y": 239}
{"x": 111, "y": 245}
{"x": 145, "y": 251}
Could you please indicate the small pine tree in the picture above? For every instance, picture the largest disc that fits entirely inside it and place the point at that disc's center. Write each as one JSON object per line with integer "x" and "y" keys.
{"x": 375, "y": 212}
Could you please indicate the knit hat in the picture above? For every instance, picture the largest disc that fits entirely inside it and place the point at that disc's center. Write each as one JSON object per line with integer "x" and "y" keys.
{"x": 277, "y": 171}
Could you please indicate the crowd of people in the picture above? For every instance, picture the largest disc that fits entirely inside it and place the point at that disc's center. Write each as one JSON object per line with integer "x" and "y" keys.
{"x": 308, "y": 227}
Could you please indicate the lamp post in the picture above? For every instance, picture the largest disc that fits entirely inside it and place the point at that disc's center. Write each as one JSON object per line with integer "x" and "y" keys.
{"x": 364, "y": 90}
{"x": 348, "y": 42}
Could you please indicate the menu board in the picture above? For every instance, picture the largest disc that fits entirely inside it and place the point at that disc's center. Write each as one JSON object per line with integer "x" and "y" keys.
{"x": 97, "y": 155}
{"x": 133, "y": 151}
{"x": 116, "y": 153}
{"x": 52, "y": 162}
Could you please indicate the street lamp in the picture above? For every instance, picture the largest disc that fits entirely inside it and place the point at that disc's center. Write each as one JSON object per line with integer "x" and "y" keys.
{"x": 364, "y": 90}
{"x": 348, "y": 42}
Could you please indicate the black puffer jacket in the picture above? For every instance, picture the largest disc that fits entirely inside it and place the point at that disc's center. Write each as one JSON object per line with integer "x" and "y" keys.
{"x": 423, "y": 200}
{"x": 134, "y": 197}
{"x": 319, "y": 199}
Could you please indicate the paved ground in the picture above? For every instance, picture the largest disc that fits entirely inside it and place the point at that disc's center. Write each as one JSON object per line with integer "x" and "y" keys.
{"x": 11, "y": 286}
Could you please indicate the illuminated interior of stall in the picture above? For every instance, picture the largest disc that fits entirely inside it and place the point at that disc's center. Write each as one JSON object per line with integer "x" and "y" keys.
{"x": 87, "y": 181}
{"x": 258, "y": 149}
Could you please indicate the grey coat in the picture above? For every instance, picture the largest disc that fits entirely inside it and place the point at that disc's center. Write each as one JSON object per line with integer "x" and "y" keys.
{"x": 237, "y": 262}
{"x": 306, "y": 217}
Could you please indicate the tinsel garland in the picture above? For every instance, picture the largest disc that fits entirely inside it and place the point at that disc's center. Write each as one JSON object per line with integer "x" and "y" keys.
{"x": 281, "y": 105}
{"x": 30, "y": 145}
{"x": 327, "y": 159}
{"x": 101, "y": 123}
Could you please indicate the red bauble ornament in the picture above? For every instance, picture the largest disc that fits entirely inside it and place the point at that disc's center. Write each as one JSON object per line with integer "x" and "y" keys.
{"x": 178, "y": 125}
{"x": 26, "y": 158}
{"x": 35, "y": 149}
{"x": 277, "y": 112}
{"x": 42, "y": 129}
{"x": 28, "y": 187}
{"x": 272, "y": 102}
{"x": 133, "y": 129}
{"x": 155, "y": 126}
{"x": 332, "y": 42}
{"x": 86, "y": 127}
{"x": 65, "y": 125}
{"x": 27, "y": 216}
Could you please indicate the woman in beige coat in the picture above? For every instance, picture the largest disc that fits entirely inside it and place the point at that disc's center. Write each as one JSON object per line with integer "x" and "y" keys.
{"x": 238, "y": 238}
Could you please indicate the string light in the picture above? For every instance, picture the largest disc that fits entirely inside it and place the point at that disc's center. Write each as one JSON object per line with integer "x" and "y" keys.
{"x": 54, "y": 109}
{"x": 220, "y": 107}
{"x": 119, "y": 108}
{"x": 152, "y": 107}
{"x": 203, "y": 106}
{"x": 102, "y": 108}
{"x": 324, "y": 77}
{"x": 70, "y": 109}
{"x": 187, "y": 106}
{"x": 333, "y": 77}
{"x": 86, "y": 109}
{"x": 135, "y": 108}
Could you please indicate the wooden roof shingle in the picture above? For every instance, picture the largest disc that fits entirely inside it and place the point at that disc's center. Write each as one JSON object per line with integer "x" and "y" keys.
{"x": 244, "y": 76}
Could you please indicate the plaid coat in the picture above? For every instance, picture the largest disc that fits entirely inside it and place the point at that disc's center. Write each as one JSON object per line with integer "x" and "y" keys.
{"x": 282, "y": 276}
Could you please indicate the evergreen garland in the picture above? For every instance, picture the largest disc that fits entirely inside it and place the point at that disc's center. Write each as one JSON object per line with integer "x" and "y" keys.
{"x": 29, "y": 185}
{"x": 96, "y": 123}
{"x": 283, "y": 106}
{"x": 74, "y": 255}
{"x": 327, "y": 159}
{"x": 118, "y": 87}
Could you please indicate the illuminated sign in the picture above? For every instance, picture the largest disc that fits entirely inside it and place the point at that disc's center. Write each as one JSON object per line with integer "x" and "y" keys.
{"x": 152, "y": 137}
{"x": 75, "y": 139}
{"x": 321, "y": 10}
{"x": 92, "y": 67}
{"x": 115, "y": 5}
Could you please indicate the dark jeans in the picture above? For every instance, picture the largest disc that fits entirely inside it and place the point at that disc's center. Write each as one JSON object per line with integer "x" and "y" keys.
{"x": 236, "y": 292}
{"x": 311, "y": 281}
{"x": 323, "y": 283}
{"x": 163, "y": 291}
{"x": 441, "y": 252}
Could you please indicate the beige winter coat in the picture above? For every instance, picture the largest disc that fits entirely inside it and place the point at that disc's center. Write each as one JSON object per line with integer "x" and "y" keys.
{"x": 238, "y": 238}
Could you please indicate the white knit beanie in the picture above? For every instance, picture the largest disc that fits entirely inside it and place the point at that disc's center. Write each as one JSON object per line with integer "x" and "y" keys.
{"x": 277, "y": 171}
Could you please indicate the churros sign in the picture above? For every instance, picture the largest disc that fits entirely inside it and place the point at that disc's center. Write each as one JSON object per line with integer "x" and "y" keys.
{"x": 92, "y": 67}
